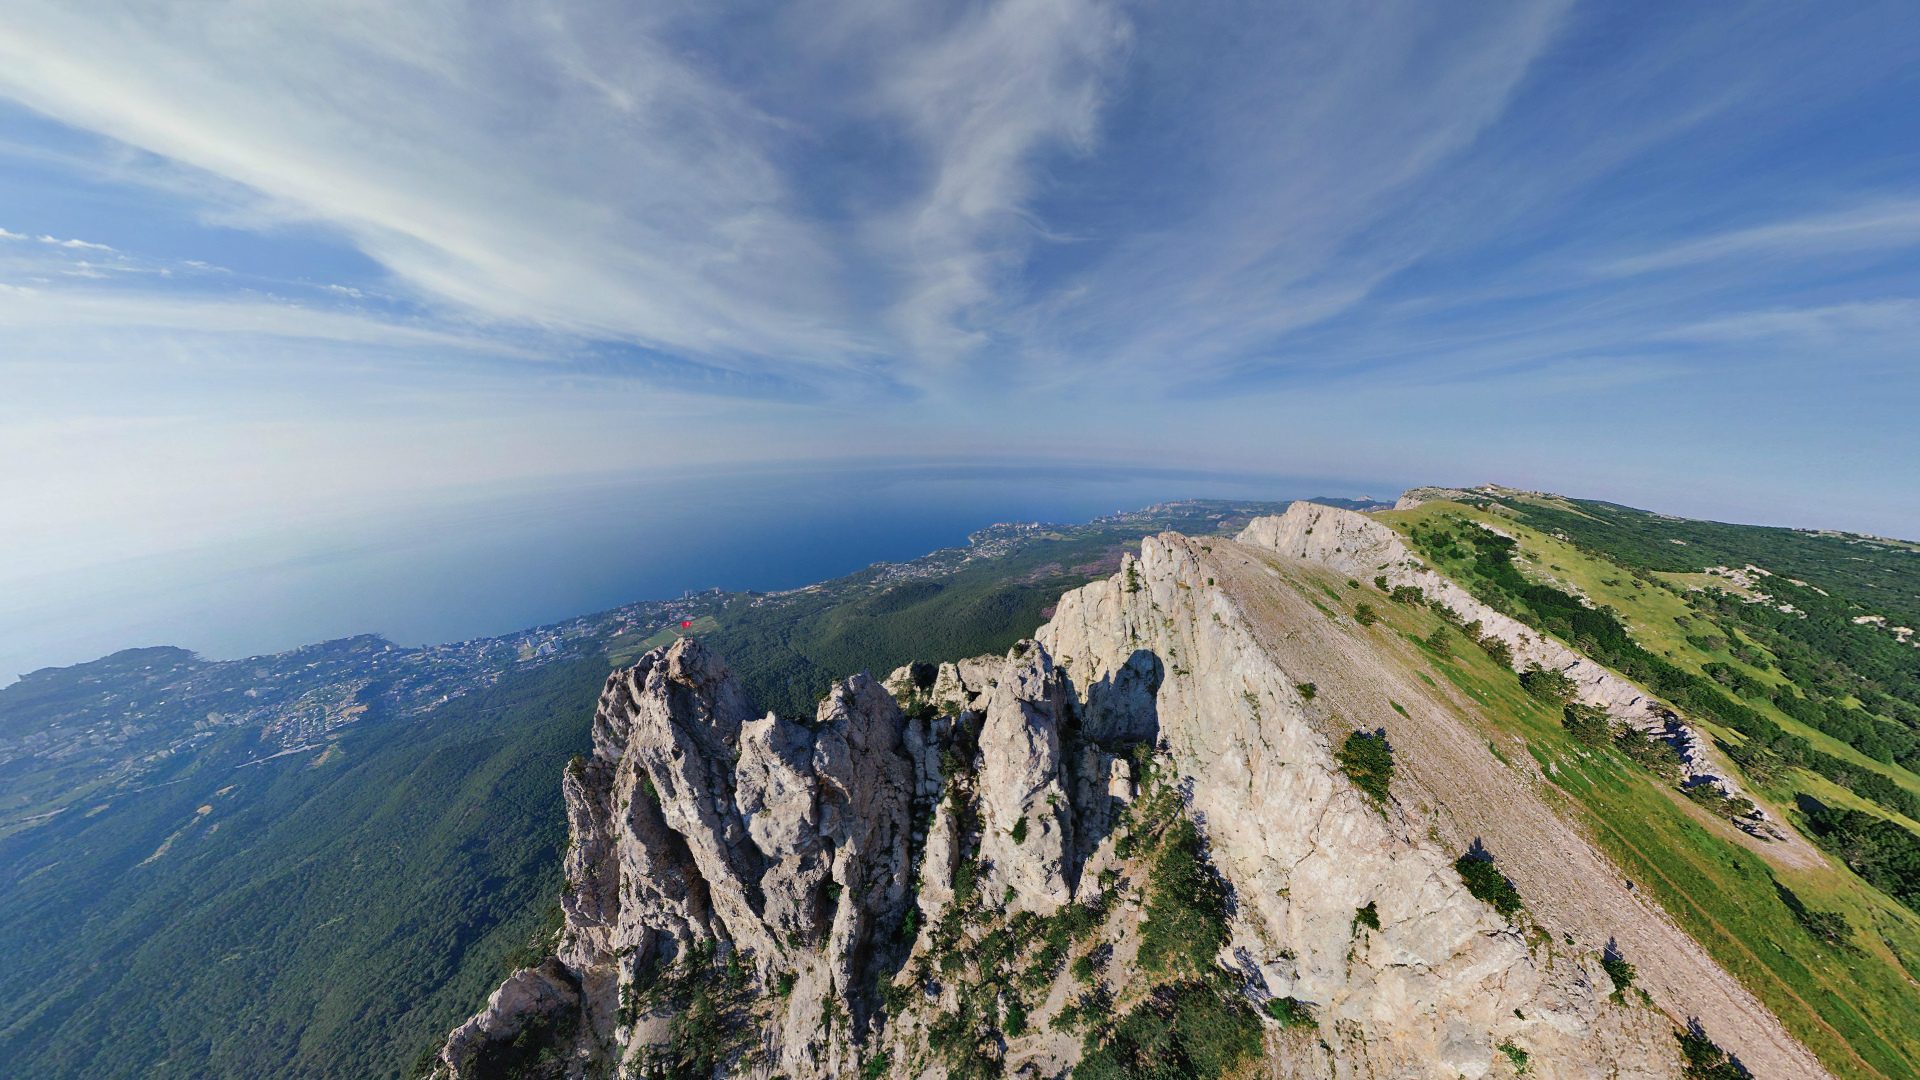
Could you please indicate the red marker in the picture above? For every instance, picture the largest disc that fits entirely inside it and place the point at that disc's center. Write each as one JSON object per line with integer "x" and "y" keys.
{"x": 686, "y": 623}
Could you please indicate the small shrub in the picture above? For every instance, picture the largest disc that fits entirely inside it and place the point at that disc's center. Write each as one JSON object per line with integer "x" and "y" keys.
{"x": 1499, "y": 651}
{"x": 1717, "y": 802}
{"x": 1620, "y": 972}
{"x": 1488, "y": 884}
{"x": 1306, "y": 690}
{"x": 697, "y": 1035}
{"x": 1019, "y": 831}
{"x": 1016, "y": 1021}
{"x": 1544, "y": 685}
{"x": 1352, "y": 584}
{"x": 1365, "y": 615}
{"x": 1083, "y": 969}
{"x": 1588, "y": 724}
{"x": 965, "y": 877}
{"x": 1368, "y": 916}
{"x": 1290, "y": 1012}
{"x": 1441, "y": 641}
{"x": 783, "y": 983}
{"x": 897, "y": 996}
{"x": 876, "y": 1066}
{"x": 1380, "y": 582}
{"x": 1367, "y": 760}
{"x": 1515, "y": 1055}
{"x": 1829, "y": 926}
{"x": 1650, "y": 753}
{"x": 1183, "y": 1032}
{"x": 1186, "y": 907}
{"x": 1407, "y": 594}
{"x": 1706, "y": 1061}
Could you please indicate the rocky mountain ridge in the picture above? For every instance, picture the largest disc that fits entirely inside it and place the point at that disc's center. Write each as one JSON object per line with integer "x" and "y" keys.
{"x": 1153, "y": 785}
{"x": 1357, "y": 546}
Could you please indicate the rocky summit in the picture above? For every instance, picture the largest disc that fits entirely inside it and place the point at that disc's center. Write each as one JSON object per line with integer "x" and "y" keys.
{"x": 1206, "y": 820}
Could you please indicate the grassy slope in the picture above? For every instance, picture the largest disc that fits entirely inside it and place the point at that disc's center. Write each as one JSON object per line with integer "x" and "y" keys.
{"x": 343, "y": 916}
{"x": 1649, "y": 614}
{"x": 1853, "y": 1009}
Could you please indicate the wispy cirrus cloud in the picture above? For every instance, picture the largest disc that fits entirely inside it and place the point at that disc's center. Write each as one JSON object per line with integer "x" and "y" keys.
{"x": 1236, "y": 230}
{"x": 1007, "y": 84}
{"x": 648, "y": 212}
{"x": 74, "y": 244}
{"x": 1880, "y": 226}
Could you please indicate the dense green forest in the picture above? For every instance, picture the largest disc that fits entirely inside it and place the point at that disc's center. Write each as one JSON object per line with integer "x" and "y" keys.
{"x": 332, "y": 913}
{"x": 1483, "y": 561}
{"x": 1872, "y": 570}
{"x": 324, "y": 914}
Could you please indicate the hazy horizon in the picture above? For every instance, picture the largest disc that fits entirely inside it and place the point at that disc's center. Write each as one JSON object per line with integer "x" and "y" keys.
{"x": 457, "y": 570}
{"x": 270, "y": 274}
{"x": 461, "y": 568}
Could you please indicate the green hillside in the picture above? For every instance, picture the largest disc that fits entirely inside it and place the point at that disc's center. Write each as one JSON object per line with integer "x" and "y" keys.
{"x": 196, "y": 907}
{"x": 1834, "y": 949}
{"x": 327, "y": 914}
{"x": 334, "y": 911}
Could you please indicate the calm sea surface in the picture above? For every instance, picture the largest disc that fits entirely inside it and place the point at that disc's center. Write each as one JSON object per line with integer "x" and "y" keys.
{"x": 459, "y": 568}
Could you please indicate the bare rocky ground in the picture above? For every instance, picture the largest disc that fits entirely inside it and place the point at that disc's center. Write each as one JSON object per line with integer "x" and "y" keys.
{"x": 761, "y": 877}
{"x": 1457, "y": 787}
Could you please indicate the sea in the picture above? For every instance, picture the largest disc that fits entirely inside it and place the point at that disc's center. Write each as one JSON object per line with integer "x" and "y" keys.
{"x": 473, "y": 564}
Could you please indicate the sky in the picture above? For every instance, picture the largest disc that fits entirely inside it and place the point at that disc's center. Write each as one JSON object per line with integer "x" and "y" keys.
{"x": 272, "y": 267}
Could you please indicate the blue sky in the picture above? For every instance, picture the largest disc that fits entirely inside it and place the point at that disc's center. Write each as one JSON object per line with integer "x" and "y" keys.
{"x": 266, "y": 264}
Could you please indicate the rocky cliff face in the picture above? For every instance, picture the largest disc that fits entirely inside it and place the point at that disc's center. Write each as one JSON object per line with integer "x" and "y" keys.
{"x": 1000, "y": 865}
{"x": 1357, "y": 545}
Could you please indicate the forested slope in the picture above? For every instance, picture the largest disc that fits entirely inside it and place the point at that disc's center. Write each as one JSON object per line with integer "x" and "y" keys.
{"x": 297, "y": 917}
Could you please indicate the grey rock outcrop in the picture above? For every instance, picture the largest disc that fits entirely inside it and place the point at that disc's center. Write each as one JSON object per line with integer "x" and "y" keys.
{"x": 1026, "y": 812}
{"x": 546, "y": 995}
{"x": 1357, "y": 545}
{"x": 776, "y": 866}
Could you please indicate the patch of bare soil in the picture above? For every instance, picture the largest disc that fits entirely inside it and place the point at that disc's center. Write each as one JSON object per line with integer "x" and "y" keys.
{"x": 1455, "y": 791}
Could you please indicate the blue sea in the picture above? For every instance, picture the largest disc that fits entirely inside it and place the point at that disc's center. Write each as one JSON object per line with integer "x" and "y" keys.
{"x": 459, "y": 566}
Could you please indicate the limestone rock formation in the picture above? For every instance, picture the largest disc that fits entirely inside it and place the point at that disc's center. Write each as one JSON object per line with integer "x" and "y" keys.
{"x": 1362, "y": 547}
{"x": 894, "y": 887}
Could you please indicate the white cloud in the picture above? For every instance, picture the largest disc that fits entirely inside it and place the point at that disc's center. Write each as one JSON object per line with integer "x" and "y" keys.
{"x": 1012, "y": 79}
{"x": 599, "y": 183}
{"x": 1878, "y": 226}
{"x": 1891, "y": 321}
{"x": 1310, "y": 143}
{"x": 55, "y": 241}
{"x": 102, "y": 310}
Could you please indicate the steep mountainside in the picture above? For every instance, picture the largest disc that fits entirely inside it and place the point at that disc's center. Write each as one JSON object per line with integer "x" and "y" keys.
{"x": 310, "y": 864}
{"x": 1218, "y": 810}
{"x": 313, "y": 864}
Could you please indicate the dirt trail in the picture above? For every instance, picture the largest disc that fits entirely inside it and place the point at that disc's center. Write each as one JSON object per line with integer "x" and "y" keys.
{"x": 1454, "y": 784}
